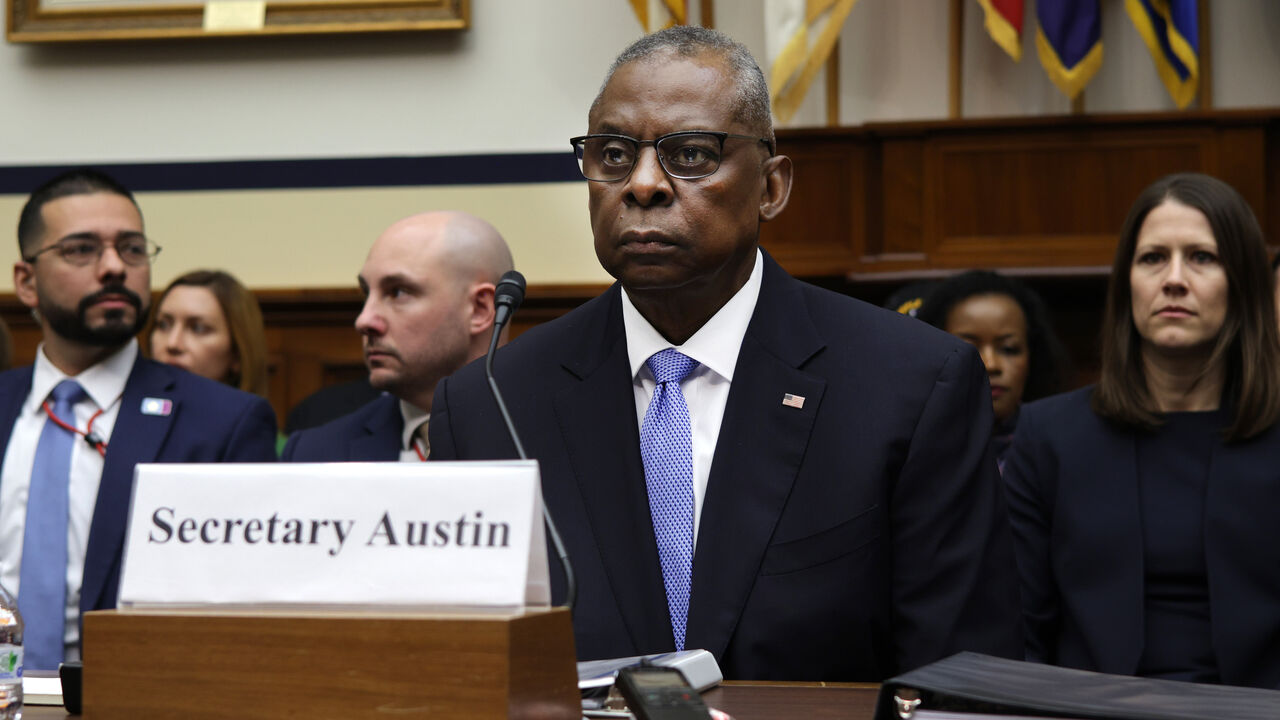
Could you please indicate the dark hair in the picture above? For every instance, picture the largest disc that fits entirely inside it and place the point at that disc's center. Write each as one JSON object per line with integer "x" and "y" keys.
{"x": 1046, "y": 357}
{"x": 690, "y": 41}
{"x": 244, "y": 323}
{"x": 82, "y": 181}
{"x": 1247, "y": 346}
{"x": 910, "y": 298}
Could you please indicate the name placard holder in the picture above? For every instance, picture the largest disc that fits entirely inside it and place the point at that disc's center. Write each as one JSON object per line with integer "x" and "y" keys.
{"x": 466, "y": 534}
{"x": 265, "y": 591}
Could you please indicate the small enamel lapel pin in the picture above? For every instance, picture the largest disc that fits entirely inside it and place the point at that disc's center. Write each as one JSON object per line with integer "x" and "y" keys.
{"x": 795, "y": 401}
{"x": 157, "y": 406}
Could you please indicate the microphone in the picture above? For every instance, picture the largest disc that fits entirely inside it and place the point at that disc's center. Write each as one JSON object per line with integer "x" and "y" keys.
{"x": 507, "y": 296}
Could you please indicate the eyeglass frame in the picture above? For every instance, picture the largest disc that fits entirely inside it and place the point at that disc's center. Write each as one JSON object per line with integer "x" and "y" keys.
{"x": 718, "y": 134}
{"x": 152, "y": 250}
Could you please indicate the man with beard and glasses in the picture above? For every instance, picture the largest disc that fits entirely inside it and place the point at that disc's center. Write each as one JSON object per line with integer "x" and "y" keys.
{"x": 91, "y": 407}
{"x": 428, "y": 283}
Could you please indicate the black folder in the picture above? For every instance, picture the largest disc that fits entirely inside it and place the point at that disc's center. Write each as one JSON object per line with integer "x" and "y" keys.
{"x": 970, "y": 682}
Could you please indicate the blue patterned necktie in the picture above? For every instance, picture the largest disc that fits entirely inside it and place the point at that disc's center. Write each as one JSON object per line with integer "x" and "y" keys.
{"x": 666, "y": 447}
{"x": 42, "y": 582}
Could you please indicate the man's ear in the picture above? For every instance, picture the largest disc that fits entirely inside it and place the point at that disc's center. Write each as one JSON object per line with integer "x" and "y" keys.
{"x": 482, "y": 308}
{"x": 24, "y": 283}
{"x": 777, "y": 187}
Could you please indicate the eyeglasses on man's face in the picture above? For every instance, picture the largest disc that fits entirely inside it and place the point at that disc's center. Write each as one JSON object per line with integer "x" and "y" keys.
{"x": 81, "y": 251}
{"x": 687, "y": 155}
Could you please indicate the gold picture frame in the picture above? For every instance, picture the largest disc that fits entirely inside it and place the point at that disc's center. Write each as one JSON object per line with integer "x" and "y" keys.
{"x": 56, "y": 21}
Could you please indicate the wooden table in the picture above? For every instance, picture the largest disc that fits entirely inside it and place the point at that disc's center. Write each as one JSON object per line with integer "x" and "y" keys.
{"x": 742, "y": 700}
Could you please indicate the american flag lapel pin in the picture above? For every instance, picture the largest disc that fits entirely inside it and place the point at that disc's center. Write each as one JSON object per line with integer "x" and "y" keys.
{"x": 157, "y": 406}
{"x": 795, "y": 401}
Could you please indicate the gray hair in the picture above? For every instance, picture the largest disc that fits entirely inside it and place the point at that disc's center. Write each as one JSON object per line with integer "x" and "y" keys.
{"x": 691, "y": 41}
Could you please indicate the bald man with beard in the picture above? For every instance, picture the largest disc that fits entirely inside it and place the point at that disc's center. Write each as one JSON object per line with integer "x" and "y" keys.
{"x": 429, "y": 285}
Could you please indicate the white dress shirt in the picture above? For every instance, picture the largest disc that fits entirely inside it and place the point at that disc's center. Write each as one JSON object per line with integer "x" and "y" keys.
{"x": 409, "y": 439}
{"x": 104, "y": 384}
{"x": 706, "y": 389}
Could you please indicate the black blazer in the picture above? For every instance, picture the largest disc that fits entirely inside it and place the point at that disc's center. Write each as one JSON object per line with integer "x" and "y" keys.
{"x": 1073, "y": 496}
{"x": 370, "y": 434}
{"x": 853, "y": 538}
{"x": 208, "y": 422}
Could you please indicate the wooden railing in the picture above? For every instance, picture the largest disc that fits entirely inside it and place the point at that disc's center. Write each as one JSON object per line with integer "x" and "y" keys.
{"x": 1040, "y": 193}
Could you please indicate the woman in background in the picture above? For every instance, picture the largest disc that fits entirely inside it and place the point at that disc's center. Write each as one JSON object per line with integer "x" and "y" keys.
{"x": 208, "y": 323}
{"x": 1007, "y": 322}
{"x": 1145, "y": 509}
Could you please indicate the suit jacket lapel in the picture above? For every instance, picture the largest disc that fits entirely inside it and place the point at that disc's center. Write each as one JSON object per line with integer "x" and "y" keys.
{"x": 597, "y": 420}
{"x": 1240, "y": 554}
{"x": 1108, "y": 569}
{"x": 135, "y": 438}
{"x": 13, "y": 392}
{"x": 384, "y": 427}
{"x": 758, "y": 454}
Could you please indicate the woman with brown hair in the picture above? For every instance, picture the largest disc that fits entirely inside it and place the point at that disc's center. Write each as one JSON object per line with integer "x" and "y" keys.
{"x": 1144, "y": 508}
{"x": 210, "y": 324}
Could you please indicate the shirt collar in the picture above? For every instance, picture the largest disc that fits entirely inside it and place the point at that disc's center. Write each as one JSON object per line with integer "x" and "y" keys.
{"x": 104, "y": 381}
{"x": 413, "y": 416}
{"x": 715, "y": 345}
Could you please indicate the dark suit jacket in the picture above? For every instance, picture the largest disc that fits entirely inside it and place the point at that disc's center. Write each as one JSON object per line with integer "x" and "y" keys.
{"x": 330, "y": 403}
{"x": 858, "y": 536}
{"x": 371, "y": 433}
{"x": 1073, "y": 495}
{"x": 209, "y": 422}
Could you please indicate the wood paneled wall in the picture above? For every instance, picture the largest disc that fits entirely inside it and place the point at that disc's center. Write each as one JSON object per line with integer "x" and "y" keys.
{"x": 1039, "y": 193}
{"x": 879, "y": 205}
{"x": 311, "y": 338}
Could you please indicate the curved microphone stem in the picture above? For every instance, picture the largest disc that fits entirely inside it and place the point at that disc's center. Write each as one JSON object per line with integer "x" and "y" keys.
{"x": 497, "y": 394}
{"x": 570, "y": 582}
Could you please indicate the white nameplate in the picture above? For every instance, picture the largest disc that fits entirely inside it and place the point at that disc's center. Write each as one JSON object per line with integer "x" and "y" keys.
{"x": 416, "y": 534}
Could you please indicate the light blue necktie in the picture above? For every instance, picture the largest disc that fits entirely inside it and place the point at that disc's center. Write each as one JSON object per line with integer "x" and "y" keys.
{"x": 42, "y": 584}
{"x": 666, "y": 447}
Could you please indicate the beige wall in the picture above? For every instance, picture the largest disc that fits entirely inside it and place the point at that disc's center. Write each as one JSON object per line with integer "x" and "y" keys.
{"x": 318, "y": 238}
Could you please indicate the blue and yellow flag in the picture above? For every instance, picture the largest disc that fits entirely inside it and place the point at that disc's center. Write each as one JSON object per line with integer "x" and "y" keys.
{"x": 1172, "y": 32}
{"x": 1069, "y": 40}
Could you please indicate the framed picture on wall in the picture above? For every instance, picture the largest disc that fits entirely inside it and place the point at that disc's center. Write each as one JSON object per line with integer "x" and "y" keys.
{"x": 52, "y": 21}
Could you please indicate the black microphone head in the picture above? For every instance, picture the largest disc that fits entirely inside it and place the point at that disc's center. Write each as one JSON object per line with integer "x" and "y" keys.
{"x": 510, "y": 290}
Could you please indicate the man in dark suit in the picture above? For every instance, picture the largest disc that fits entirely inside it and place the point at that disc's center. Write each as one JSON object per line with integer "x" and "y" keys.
{"x": 90, "y": 408}
{"x": 428, "y": 283}
{"x": 815, "y": 498}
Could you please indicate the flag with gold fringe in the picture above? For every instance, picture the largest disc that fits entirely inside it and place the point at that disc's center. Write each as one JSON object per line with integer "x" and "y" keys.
{"x": 1069, "y": 41}
{"x": 799, "y": 37}
{"x": 1004, "y": 24}
{"x": 658, "y": 14}
{"x": 1171, "y": 30}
